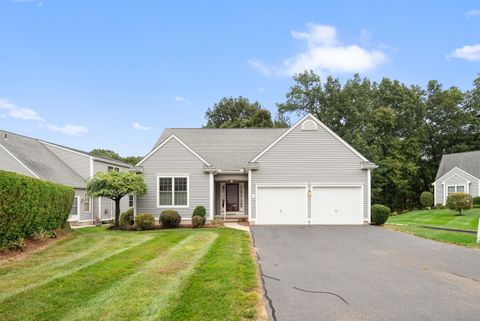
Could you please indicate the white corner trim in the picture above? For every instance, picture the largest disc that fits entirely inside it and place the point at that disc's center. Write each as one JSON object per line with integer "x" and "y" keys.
{"x": 249, "y": 191}
{"x": 19, "y": 161}
{"x": 322, "y": 125}
{"x": 461, "y": 170}
{"x": 212, "y": 195}
{"x": 166, "y": 141}
{"x": 91, "y": 167}
{"x": 369, "y": 195}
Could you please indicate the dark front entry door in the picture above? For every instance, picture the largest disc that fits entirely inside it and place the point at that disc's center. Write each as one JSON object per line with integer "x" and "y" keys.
{"x": 232, "y": 197}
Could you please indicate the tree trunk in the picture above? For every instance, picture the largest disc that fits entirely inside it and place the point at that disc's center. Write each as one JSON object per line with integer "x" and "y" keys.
{"x": 117, "y": 212}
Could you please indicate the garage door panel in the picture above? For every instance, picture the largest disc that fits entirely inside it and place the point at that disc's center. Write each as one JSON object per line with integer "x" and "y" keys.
{"x": 281, "y": 205}
{"x": 337, "y": 205}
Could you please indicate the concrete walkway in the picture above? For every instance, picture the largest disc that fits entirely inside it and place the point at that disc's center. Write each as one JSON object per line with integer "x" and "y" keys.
{"x": 237, "y": 226}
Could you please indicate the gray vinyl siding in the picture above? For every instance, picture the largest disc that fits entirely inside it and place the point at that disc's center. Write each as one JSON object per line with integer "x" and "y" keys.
{"x": 455, "y": 177}
{"x": 310, "y": 157}
{"x": 79, "y": 163}
{"x": 173, "y": 159}
{"x": 8, "y": 163}
{"x": 84, "y": 216}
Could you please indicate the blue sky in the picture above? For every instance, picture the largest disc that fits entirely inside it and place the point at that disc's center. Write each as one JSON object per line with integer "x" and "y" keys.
{"x": 113, "y": 74}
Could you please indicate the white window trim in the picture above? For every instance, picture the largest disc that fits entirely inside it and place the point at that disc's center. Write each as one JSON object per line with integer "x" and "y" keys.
{"x": 75, "y": 217}
{"x": 173, "y": 190}
{"x": 445, "y": 190}
{"x": 114, "y": 168}
{"x": 90, "y": 204}
{"x": 133, "y": 200}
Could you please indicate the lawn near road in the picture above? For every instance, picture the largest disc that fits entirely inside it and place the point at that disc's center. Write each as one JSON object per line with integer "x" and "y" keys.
{"x": 415, "y": 221}
{"x": 96, "y": 274}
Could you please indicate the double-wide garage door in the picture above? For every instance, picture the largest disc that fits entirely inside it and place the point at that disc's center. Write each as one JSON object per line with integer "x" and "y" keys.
{"x": 329, "y": 205}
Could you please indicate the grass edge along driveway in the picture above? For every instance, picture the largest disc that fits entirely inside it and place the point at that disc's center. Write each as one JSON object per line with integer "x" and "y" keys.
{"x": 413, "y": 223}
{"x": 183, "y": 274}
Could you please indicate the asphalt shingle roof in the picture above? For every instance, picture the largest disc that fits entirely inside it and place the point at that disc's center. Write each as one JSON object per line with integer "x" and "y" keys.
{"x": 225, "y": 148}
{"x": 40, "y": 160}
{"x": 468, "y": 161}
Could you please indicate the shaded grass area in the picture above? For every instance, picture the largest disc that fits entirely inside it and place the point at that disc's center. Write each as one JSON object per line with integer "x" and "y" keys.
{"x": 464, "y": 239}
{"x": 96, "y": 274}
{"x": 439, "y": 218}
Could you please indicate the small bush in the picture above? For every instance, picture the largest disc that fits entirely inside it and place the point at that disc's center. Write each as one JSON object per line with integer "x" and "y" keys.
{"x": 201, "y": 212}
{"x": 426, "y": 199}
{"x": 476, "y": 200}
{"x": 459, "y": 201}
{"x": 476, "y": 206}
{"x": 170, "y": 219}
{"x": 197, "y": 221}
{"x": 126, "y": 218}
{"x": 144, "y": 221}
{"x": 42, "y": 236}
{"x": 379, "y": 214}
{"x": 17, "y": 245}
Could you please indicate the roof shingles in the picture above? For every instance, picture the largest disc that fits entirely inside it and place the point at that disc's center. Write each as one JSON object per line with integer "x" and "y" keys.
{"x": 467, "y": 161}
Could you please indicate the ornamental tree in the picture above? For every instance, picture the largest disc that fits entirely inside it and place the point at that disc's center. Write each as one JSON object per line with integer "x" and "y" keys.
{"x": 459, "y": 202}
{"x": 116, "y": 185}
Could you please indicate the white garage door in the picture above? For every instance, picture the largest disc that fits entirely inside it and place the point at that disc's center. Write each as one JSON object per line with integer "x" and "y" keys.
{"x": 281, "y": 205}
{"x": 337, "y": 205}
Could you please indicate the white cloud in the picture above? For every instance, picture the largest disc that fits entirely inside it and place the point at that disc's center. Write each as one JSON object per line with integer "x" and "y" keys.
{"x": 472, "y": 13}
{"x": 68, "y": 129}
{"x": 11, "y": 110}
{"x": 180, "y": 99}
{"x": 261, "y": 66}
{"x": 261, "y": 89}
{"x": 469, "y": 53}
{"x": 140, "y": 127}
{"x": 17, "y": 112}
{"x": 325, "y": 54}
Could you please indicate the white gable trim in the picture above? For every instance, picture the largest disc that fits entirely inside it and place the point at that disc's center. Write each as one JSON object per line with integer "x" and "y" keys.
{"x": 461, "y": 170}
{"x": 166, "y": 141}
{"x": 65, "y": 149}
{"x": 456, "y": 175}
{"x": 322, "y": 125}
{"x": 19, "y": 161}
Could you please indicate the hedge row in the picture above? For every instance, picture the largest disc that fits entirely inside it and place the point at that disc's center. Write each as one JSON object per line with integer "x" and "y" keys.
{"x": 29, "y": 206}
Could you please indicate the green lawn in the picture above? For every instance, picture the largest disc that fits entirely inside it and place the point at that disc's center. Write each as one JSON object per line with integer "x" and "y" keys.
{"x": 96, "y": 274}
{"x": 439, "y": 218}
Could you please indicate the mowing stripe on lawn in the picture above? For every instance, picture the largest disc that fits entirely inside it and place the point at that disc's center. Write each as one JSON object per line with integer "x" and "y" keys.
{"x": 144, "y": 294}
{"x": 54, "y": 300}
{"x": 41, "y": 272}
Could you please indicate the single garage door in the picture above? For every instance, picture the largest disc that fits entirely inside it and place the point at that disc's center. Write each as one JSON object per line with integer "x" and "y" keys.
{"x": 337, "y": 205}
{"x": 282, "y": 205}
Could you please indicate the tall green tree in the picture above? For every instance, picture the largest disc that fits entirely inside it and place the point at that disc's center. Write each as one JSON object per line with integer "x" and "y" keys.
{"x": 132, "y": 160}
{"x": 238, "y": 113}
{"x": 116, "y": 185}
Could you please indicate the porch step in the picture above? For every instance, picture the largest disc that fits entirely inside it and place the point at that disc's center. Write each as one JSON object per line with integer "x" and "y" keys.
{"x": 232, "y": 218}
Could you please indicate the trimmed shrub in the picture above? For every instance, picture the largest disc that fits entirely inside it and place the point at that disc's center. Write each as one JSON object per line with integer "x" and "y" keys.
{"x": 126, "y": 218}
{"x": 426, "y": 199}
{"x": 202, "y": 212}
{"x": 170, "y": 219}
{"x": 197, "y": 221}
{"x": 29, "y": 205}
{"x": 144, "y": 221}
{"x": 476, "y": 200}
{"x": 379, "y": 214}
{"x": 459, "y": 201}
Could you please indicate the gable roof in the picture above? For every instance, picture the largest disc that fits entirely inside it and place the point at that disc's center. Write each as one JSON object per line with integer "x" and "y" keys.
{"x": 224, "y": 148}
{"x": 467, "y": 161}
{"x": 39, "y": 160}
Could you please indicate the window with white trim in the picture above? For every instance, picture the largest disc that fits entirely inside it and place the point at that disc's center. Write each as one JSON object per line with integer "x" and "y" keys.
{"x": 172, "y": 191}
{"x": 74, "y": 209}
{"x": 455, "y": 189}
{"x": 113, "y": 169}
{"x": 86, "y": 203}
{"x": 130, "y": 200}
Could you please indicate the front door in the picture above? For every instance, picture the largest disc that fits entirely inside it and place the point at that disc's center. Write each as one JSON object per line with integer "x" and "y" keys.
{"x": 232, "y": 197}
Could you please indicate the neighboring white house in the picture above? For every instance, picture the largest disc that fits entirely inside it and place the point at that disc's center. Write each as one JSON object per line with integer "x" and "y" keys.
{"x": 63, "y": 165}
{"x": 459, "y": 172}
{"x": 301, "y": 175}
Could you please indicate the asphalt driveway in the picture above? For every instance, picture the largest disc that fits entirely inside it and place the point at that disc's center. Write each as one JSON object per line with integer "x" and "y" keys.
{"x": 365, "y": 273}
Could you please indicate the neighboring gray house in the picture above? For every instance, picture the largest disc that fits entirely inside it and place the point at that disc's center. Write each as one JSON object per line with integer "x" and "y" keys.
{"x": 305, "y": 174}
{"x": 63, "y": 165}
{"x": 459, "y": 172}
